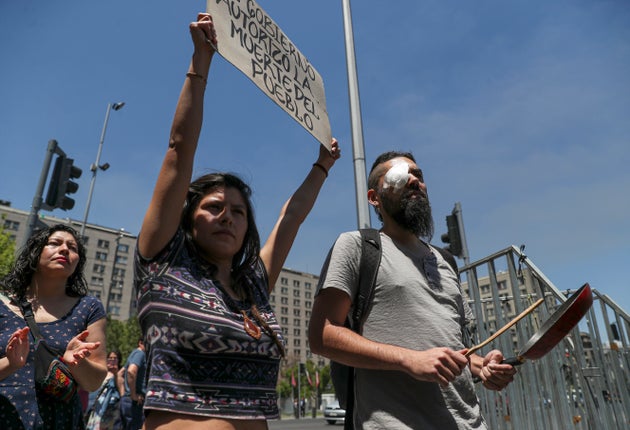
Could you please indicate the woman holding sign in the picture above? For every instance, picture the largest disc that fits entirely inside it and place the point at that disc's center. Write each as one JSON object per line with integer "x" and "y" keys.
{"x": 203, "y": 280}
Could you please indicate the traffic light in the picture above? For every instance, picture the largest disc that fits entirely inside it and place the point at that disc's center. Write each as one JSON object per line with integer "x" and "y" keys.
{"x": 61, "y": 183}
{"x": 615, "y": 331}
{"x": 453, "y": 237}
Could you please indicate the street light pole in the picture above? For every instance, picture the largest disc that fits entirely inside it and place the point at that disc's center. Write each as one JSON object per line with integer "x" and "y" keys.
{"x": 94, "y": 167}
{"x": 114, "y": 278}
{"x": 358, "y": 150}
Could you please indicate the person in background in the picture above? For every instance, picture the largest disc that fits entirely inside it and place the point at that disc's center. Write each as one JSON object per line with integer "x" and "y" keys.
{"x": 103, "y": 412}
{"x": 411, "y": 371}
{"x": 203, "y": 281}
{"x": 48, "y": 274}
{"x": 131, "y": 386}
{"x": 113, "y": 360}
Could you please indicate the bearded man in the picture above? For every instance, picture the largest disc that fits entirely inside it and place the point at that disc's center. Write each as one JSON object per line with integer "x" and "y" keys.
{"x": 410, "y": 368}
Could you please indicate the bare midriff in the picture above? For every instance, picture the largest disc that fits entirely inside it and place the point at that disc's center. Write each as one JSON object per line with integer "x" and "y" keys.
{"x": 160, "y": 420}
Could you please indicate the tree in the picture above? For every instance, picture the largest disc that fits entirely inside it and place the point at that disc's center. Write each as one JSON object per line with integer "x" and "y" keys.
{"x": 284, "y": 385}
{"x": 7, "y": 251}
{"x": 325, "y": 382}
{"x": 286, "y": 390}
{"x": 123, "y": 335}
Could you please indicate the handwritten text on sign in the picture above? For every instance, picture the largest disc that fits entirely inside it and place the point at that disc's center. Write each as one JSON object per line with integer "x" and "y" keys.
{"x": 250, "y": 40}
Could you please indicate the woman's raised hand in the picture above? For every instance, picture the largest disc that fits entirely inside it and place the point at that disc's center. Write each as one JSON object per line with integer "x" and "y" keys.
{"x": 203, "y": 34}
{"x": 18, "y": 348}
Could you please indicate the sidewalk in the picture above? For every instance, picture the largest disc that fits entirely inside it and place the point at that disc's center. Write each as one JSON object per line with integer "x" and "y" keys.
{"x": 284, "y": 417}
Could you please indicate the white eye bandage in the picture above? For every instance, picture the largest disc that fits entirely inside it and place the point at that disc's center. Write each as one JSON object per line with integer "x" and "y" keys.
{"x": 397, "y": 176}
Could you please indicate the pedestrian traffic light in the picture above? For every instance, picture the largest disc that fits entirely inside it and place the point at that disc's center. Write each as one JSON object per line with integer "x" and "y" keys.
{"x": 61, "y": 183}
{"x": 453, "y": 237}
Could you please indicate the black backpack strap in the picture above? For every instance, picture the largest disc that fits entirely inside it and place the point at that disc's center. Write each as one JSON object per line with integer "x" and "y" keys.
{"x": 368, "y": 269}
{"x": 29, "y": 317}
{"x": 448, "y": 257}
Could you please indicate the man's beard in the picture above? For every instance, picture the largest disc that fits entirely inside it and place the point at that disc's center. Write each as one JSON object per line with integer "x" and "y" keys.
{"x": 413, "y": 214}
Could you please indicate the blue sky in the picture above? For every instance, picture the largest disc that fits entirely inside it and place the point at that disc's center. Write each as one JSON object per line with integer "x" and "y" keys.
{"x": 519, "y": 110}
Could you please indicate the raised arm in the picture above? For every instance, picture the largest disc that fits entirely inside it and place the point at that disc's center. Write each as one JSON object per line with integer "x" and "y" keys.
{"x": 163, "y": 215}
{"x": 294, "y": 212}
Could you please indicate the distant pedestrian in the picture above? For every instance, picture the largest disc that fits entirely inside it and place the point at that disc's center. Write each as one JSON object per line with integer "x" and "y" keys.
{"x": 104, "y": 408}
{"x": 131, "y": 383}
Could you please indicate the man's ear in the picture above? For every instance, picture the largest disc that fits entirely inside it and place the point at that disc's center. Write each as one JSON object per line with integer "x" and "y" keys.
{"x": 373, "y": 198}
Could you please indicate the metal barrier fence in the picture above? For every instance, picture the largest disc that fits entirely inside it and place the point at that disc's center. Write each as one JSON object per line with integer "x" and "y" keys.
{"x": 582, "y": 383}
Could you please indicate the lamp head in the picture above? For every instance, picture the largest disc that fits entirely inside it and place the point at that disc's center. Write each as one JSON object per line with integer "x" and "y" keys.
{"x": 117, "y": 106}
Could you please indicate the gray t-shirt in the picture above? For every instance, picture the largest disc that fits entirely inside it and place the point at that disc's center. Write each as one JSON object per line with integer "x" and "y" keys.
{"x": 411, "y": 312}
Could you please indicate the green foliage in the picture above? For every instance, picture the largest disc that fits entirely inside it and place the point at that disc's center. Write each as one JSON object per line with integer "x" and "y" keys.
{"x": 325, "y": 382}
{"x": 7, "y": 251}
{"x": 286, "y": 390}
{"x": 284, "y": 386}
{"x": 123, "y": 335}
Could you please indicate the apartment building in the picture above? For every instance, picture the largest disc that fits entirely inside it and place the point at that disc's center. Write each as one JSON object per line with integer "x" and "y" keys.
{"x": 292, "y": 300}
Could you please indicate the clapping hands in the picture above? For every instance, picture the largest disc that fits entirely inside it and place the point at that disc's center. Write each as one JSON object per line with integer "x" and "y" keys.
{"x": 78, "y": 349}
{"x": 18, "y": 348}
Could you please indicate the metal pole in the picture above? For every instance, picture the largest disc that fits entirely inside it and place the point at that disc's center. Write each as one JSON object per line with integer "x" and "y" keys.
{"x": 37, "y": 199}
{"x": 94, "y": 167}
{"x": 299, "y": 387}
{"x": 360, "y": 176}
{"x": 112, "y": 278}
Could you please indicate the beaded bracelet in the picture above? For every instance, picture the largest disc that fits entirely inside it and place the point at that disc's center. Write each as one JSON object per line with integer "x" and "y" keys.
{"x": 198, "y": 76}
{"x": 322, "y": 168}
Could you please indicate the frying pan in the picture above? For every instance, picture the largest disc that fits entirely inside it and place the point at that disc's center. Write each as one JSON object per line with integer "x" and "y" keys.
{"x": 556, "y": 327}
{"x": 505, "y": 327}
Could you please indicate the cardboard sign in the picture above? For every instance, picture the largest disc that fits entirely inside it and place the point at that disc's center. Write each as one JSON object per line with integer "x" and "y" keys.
{"x": 249, "y": 39}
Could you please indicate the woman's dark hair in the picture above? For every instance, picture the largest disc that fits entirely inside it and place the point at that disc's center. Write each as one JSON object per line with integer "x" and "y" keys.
{"x": 17, "y": 281}
{"x": 118, "y": 357}
{"x": 248, "y": 255}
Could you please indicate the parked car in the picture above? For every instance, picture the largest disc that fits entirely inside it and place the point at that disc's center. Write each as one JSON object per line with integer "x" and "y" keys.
{"x": 333, "y": 413}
